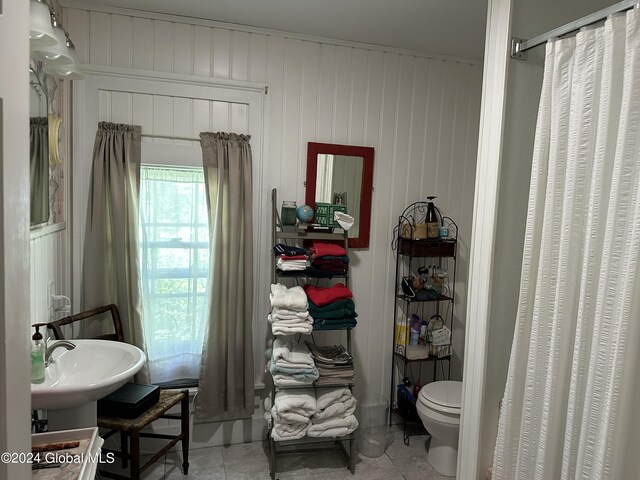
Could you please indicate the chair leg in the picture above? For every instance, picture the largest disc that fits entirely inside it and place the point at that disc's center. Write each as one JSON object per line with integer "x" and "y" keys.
{"x": 184, "y": 412}
{"x": 124, "y": 448}
{"x": 135, "y": 455}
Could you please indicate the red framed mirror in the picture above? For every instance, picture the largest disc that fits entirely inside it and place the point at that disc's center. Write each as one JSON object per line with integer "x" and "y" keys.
{"x": 342, "y": 174}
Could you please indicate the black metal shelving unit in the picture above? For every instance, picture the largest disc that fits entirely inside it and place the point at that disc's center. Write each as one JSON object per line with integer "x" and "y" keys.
{"x": 414, "y": 253}
{"x": 345, "y": 444}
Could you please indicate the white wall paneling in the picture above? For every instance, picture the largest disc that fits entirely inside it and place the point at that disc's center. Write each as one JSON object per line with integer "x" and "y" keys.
{"x": 420, "y": 114}
{"x": 48, "y": 275}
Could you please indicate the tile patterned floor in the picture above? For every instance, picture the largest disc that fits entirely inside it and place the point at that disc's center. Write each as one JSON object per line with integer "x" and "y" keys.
{"x": 249, "y": 461}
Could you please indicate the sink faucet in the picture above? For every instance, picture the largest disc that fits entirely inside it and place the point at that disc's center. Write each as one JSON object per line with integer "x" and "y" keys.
{"x": 51, "y": 348}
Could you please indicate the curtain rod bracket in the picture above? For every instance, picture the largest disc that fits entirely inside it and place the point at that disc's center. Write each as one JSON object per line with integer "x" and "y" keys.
{"x": 516, "y": 44}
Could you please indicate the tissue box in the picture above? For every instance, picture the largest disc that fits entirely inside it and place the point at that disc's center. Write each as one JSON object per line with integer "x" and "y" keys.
{"x": 324, "y": 214}
{"x": 129, "y": 401}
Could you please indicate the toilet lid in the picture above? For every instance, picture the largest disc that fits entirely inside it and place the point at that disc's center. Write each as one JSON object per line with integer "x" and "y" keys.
{"x": 444, "y": 394}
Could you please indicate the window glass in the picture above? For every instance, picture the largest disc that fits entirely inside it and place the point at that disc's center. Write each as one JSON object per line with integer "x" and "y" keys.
{"x": 174, "y": 244}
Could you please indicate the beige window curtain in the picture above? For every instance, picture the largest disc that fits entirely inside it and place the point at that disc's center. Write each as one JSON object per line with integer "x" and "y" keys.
{"x": 110, "y": 272}
{"x": 226, "y": 387}
{"x": 39, "y": 170}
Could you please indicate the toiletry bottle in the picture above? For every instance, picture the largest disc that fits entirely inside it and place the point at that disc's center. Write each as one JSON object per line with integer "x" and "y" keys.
{"x": 415, "y": 324}
{"x": 429, "y": 282}
{"x": 416, "y": 389}
{"x": 37, "y": 357}
{"x": 433, "y": 226}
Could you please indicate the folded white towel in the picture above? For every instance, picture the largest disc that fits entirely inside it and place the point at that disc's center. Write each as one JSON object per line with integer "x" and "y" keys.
{"x": 286, "y": 314}
{"x": 283, "y": 380}
{"x": 290, "y": 321}
{"x": 335, "y": 410}
{"x": 326, "y": 397}
{"x": 330, "y": 432}
{"x": 334, "y": 428}
{"x": 303, "y": 328}
{"x": 293, "y": 298}
{"x": 289, "y": 417}
{"x": 282, "y": 432}
{"x": 301, "y": 401}
{"x": 267, "y": 411}
{"x": 291, "y": 265}
{"x": 286, "y": 354}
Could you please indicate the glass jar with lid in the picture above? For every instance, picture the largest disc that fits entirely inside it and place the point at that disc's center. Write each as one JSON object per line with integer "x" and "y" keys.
{"x": 288, "y": 212}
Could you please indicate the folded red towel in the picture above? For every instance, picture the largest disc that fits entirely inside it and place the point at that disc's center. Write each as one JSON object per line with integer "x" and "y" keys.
{"x": 320, "y": 249}
{"x": 322, "y": 296}
{"x": 293, "y": 257}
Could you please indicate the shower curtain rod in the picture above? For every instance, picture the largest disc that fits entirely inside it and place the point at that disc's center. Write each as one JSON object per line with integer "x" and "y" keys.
{"x": 519, "y": 46}
{"x": 170, "y": 137}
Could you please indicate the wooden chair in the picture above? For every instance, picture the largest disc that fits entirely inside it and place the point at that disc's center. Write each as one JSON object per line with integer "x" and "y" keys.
{"x": 131, "y": 428}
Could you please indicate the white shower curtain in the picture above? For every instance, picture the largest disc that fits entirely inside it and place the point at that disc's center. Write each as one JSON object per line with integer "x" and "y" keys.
{"x": 572, "y": 398}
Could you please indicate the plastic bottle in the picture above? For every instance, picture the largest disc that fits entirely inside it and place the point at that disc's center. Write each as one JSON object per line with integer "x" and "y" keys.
{"x": 423, "y": 334}
{"x": 433, "y": 226}
{"x": 416, "y": 389}
{"x": 37, "y": 357}
{"x": 416, "y": 323}
{"x": 429, "y": 282}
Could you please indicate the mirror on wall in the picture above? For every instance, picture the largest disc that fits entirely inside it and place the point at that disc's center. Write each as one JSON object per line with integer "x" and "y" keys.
{"x": 343, "y": 175}
{"x": 39, "y": 149}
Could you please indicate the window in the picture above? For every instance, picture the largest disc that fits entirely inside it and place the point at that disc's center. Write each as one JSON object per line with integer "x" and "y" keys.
{"x": 174, "y": 244}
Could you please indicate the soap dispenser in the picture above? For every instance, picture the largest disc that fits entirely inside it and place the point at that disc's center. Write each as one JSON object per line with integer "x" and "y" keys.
{"x": 433, "y": 226}
{"x": 37, "y": 357}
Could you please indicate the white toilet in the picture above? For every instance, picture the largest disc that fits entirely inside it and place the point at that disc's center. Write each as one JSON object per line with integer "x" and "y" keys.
{"x": 438, "y": 406}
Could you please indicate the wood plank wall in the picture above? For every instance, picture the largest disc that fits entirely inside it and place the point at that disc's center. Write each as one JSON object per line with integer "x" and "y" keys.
{"x": 420, "y": 114}
{"x": 48, "y": 273}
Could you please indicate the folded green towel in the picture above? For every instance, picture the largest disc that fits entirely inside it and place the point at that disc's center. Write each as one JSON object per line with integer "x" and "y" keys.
{"x": 333, "y": 314}
{"x": 323, "y": 324}
{"x": 341, "y": 258}
{"x": 344, "y": 307}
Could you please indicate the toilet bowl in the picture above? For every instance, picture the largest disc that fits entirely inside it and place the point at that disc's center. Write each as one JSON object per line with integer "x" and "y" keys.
{"x": 438, "y": 406}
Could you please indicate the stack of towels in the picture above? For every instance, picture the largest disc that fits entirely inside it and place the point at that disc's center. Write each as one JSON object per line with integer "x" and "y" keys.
{"x": 291, "y": 413}
{"x": 328, "y": 260}
{"x": 296, "y": 412}
{"x": 291, "y": 365}
{"x": 334, "y": 415}
{"x": 331, "y": 307}
{"x": 289, "y": 311}
{"x": 290, "y": 259}
{"x": 334, "y": 364}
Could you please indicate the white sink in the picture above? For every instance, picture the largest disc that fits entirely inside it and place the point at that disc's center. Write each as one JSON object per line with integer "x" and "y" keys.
{"x": 90, "y": 371}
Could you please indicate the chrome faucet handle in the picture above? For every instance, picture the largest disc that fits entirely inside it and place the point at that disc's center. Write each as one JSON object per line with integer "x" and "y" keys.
{"x": 55, "y": 345}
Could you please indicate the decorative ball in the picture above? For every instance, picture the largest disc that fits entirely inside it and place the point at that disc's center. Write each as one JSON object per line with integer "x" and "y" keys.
{"x": 304, "y": 213}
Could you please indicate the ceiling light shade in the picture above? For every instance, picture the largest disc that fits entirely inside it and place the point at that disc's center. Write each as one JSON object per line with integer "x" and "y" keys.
{"x": 53, "y": 54}
{"x": 40, "y": 29}
{"x": 69, "y": 70}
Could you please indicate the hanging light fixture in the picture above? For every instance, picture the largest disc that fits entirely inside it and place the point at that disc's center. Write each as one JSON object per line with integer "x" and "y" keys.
{"x": 69, "y": 70}
{"x": 53, "y": 54}
{"x": 40, "y": 29}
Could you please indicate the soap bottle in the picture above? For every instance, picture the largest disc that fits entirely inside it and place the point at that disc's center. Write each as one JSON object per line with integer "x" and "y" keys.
{"x": 37, "y": 357}
{"x": 433, "y": 226}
